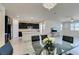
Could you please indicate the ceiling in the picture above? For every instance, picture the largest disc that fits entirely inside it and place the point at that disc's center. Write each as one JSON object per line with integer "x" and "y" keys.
{"x": 66, "y": 11}
{"x": 26, "y": 10}
{"x": 61, "y": 12}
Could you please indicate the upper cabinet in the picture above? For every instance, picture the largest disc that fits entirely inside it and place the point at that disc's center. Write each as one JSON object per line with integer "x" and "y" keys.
{"x": 28, "y": 26}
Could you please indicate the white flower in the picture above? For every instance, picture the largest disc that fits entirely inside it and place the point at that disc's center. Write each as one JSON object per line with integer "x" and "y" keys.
{"x": 45, "y": 41}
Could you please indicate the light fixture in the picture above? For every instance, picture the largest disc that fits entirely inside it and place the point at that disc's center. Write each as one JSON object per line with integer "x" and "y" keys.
{"x": 49, "y": 6}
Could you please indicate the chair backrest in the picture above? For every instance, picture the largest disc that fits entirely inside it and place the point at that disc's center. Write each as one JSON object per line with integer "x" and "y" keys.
{"x": 43, "y": 36}
{"x": 35, "y": 38}
{"x": 68, "y": 39}
{"x": 7, "y": 49}
{"x": 67, "y": 42}
{"x": 36, "y": 43}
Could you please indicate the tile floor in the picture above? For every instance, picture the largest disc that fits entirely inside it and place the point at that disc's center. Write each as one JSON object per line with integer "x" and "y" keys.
{"x": 22, "y": 47}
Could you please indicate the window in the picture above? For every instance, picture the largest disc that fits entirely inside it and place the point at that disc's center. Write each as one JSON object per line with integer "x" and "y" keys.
{"x": 75, "y": 26}
{"x": 61, "y": 26}
{"x": 72, "y": 26}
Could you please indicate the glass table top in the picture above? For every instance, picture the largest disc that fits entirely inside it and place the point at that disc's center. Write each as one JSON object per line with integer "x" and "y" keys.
{"x": 59, "y": 50}
{"x": 61, "y": 47}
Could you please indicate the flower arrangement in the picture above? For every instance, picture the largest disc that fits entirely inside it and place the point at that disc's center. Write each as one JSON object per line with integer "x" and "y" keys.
{"x": 48, "y": 40}
{"x": 49, "y": 43}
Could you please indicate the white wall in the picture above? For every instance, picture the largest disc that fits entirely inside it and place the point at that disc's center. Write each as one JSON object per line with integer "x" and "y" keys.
{"x": 67, "y": 31}
{"x": 15, "y": 29}
{"x": 48, "y": 25}
{"x": 2, "y": 25}
{"x": 52, "y": 24}
{"x": 66, "y": 28}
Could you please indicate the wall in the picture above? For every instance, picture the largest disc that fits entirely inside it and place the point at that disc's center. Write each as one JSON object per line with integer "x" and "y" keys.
{"x": 66, "y": 28}
{"x": 48, "y": 26}
{"x": 2, "y": 25}
{"x": 15, "y": 29}
{"x": 52, "y": 24}
{"x": 67, "y": 31}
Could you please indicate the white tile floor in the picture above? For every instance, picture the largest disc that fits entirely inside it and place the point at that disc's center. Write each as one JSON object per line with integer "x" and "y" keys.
{"x": 21, "y": 47}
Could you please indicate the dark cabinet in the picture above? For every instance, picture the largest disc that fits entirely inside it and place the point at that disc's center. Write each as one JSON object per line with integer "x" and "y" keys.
{"x": 28, "y": 25}
{"x": 6, "y": 24}
{"x": 7, "y": 29}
